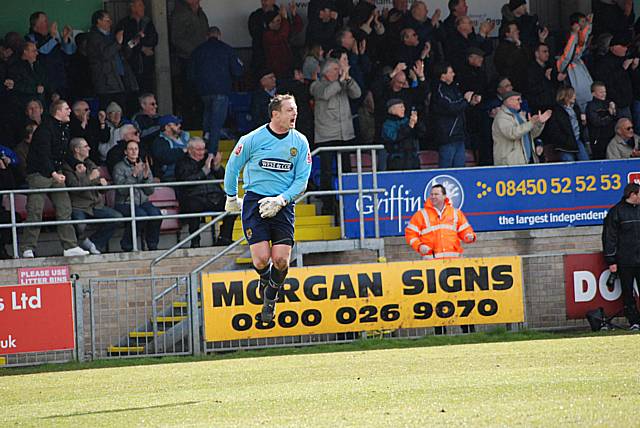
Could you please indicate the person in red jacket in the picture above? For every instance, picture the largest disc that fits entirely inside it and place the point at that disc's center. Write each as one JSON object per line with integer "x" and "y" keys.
{"x": 275, "y": 39}
{"x": 436, "y": 230}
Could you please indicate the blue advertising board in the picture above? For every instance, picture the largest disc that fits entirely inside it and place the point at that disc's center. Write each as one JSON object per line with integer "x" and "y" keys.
{"x": 498, "y": 198}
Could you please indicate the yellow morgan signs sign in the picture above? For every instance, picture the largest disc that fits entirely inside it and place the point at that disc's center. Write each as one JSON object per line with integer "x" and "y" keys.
{"x": 367, "y": 297}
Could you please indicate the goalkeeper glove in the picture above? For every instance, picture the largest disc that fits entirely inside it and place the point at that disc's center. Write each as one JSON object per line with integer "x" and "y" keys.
{"x": 270, "y": 206}
{"x": 233, "y": 204}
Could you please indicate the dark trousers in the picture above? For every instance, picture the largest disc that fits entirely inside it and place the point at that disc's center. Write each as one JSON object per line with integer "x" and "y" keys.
{"x": 327, "y": 175}
{"x": 627, "y": 274}
{"x": 151, "y": 227}
{"x": 199, "y": 204}
{"x": 103, "y": 232}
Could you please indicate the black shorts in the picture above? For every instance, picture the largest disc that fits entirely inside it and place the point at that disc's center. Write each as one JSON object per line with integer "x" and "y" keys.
{"x": 278, "y": 229}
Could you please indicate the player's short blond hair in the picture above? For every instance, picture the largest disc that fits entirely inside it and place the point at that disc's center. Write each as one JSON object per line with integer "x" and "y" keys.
{"x": 276, "y": 102}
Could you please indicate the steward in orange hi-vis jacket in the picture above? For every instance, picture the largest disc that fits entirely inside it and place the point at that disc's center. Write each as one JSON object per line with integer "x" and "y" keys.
{"x": 436, "y": 230}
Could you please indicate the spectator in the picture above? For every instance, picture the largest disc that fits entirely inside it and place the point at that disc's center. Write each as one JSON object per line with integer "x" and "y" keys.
{"x": 111, "y": 75}
{"x": 457, "y": 8}
{"x": 22, "y": 150}
{"x": 410, "y": 49}
{"x": 7, "y": 182}
{"x": 10, "y": 160}
{"x": 463, "y": 37}
{"x": 44, "y": 165}
{"x": 132, "y": 170}
{"x": 394, "y": 23}
{"x": 396, "y": 85}
{"x": 565, "y": 130}
{"x": 570, "y": 61}
{"x": 189, "y": 26}
{"x": 169, "y": 147}
{"x": 621, "y": 248}
{"x": 141, "y": 38}
{"x": 322, "y": 26}
{"x": 366, "y": 23}
{"x": 80, "y": 171}
{"x": 514, "y": 134}
{"x": 29, "y": 77}
{"x": 448, "y": 105}
{"x": 473, "y": 77}
{"x": 214, "y": 66}
{"x": 601, "y": 118}
{"x": 128, "y": 132}
{"x": 614, "y": 70}
{"x": 257, "y": 26}
{"x": 333, "y": 121}
{"x": 425, "y": 27}
{"x": 613, "y": 16}
{"x": 275, "y": 39}
{"x": 312, "y": 62}
{"x": 261, "y": 98}
{"x": 399, "y": 137}
{"x": 543, "y": 80}
{"x": 93, "y": 130}
{"x": 515, "y": 11}
{"x": 511, "y": 58}
{"x": 359, "y": 63}
{"x": 54, "y": 50}
{"x": 203, "y": 197}
{"x": 79, "y": 70}
{"x": 114, "y": 122}
{"x": 147, "y": 119}
{"x": 299, "y": 88}
{"x": 626, "y": 143}
{"x": 33, "y": 112}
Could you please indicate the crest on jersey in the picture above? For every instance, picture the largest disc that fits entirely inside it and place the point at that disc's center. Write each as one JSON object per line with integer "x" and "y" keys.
{"x": 293, "y": 152}
{"x": 238, "y": 149}
{"x": 248, "y": 233}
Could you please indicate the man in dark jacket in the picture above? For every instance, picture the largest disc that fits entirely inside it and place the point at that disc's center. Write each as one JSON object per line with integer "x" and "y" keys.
{"x": 257, "y": 27}
{"x": 44, "y": 171}
{"x": 111, "y": 75}
{"x": 141, "y": 38}
{"x": 55, "y": 50}
{"x": 512, "y": 58}
{"x": 448, "y": 106}
{"x": 29, "y": 77}
{"x": 261, "y": 98}
{"x": 169, "y": 147}
{"x": 614, "y": 71}
{"x": 621, "y": 247}
{"x": 214, "y": 66}
{"x": 203, "y": 197}
{"x": 601, "y": 119}
{"x": 93, "y": 130}
{"x": 543, "y": 80}
{"x": 462, "y": 39}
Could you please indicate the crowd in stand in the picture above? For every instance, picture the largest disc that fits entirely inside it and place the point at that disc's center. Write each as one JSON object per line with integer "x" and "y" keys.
{"x": 408, "y": 78}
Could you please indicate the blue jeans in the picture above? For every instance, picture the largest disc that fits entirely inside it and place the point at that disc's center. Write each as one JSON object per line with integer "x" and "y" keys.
{"x": 151, "y": 227}
{"x": 451, "y": 155}
{"x": 213, "y": 117}
{"x": 582, "y": 154}
{"x": 104, "y": 231}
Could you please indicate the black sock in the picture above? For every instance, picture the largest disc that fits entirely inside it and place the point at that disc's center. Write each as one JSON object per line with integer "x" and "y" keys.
{"x": 277, "y": 279}
{"x": 265, "y": 273}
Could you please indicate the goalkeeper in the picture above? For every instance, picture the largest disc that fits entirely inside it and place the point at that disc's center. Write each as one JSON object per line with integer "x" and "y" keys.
{"x": 277, "y": 164}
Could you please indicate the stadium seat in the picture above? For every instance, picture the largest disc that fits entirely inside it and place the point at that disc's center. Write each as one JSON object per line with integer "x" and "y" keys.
{"x": 48, "y": 213}
{"x": 428, "y": 159}
{"x": 366, "y": 162}
{"x": 164, "y": 197}
{"x": 170, "y": 224}
{"x": 104, "y": 173}
{"x": 470, "y": 158}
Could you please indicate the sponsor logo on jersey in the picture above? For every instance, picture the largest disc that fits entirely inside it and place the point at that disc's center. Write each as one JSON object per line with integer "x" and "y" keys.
{"x": 309, "y": 160}
{"x": 276, "y": 165}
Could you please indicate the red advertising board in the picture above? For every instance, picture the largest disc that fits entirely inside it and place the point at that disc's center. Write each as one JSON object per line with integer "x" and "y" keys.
{"x": 43, "y": 275}
{"x": 36, "y": 318}
{"x": 585, "y": 279}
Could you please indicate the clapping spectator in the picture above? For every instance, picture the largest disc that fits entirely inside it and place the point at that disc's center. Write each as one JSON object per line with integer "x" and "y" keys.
{"x": 261, "y": 97}
{"x": 322, "y": 26}
{"x": 197, "y": 165}
{"x": 141, "y": 38}
{"x": 146, "y": 119}
{"x": 614, "y": 70}
{"x": 257, "y": 26}
{"x": 80, "y": 171}
{"x": 463, "y": 37}
{"x": 566, "y": 130}
{"x": 169, "y": 147}
{"x": 133, "y": 170}
{"x": 29, "y": 77}
{"x": 626, "y": 143}
{"x": 114, "y": 122}
{"x": 111, "y": 75}
{"x": 276, "y": 39}
{"x": 93, "y": 130}
{"x": 448, "y": 106}
{"x": 543, "y": 80}
{"x": 399, "y": 137}
{"x": 601, "y": 118}
{"x": 512, "y": 57}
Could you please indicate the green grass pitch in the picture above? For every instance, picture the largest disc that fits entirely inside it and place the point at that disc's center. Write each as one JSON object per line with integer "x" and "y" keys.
{"x": 581, "y": 381}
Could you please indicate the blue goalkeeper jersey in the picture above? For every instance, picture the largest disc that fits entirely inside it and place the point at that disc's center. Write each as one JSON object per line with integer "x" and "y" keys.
{"x": 272, "y": 166}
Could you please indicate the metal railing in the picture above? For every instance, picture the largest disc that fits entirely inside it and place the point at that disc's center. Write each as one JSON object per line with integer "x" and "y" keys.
{"x": 14, "y": 225}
